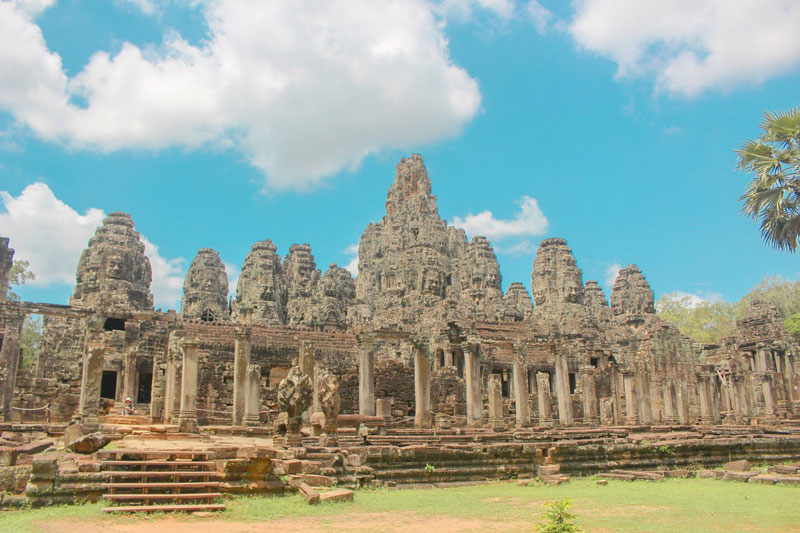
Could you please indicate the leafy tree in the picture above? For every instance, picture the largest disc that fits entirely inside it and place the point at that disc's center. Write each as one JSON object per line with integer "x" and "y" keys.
{"x": 32, "y": 327}
{"x": 705, "y": 322}
{"x": 782, "y": 292}
{"x": 19, "y": 276}
{"x": 773, "y": 197}
{"x": 793, "y": 325}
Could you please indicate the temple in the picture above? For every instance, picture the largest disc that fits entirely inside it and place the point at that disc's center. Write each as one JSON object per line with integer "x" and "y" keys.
{"x": 422, "y": 340}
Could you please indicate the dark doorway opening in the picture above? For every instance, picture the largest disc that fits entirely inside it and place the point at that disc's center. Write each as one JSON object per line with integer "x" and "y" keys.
{"x": 594, "y": 361}
{"x": 108, "y": 385}
{"x": 458, "y": 362}
{"x": 114, "y": 324}
{"x": 208, "y": 316}
{"x": 145, "y": 384}
{"x": 572, "y": 382}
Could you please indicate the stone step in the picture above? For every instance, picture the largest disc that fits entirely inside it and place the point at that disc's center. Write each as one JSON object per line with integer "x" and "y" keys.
{"x": 175, "y": 496}
{"x": 165, "y": 508}
{"x": 154, "y": 454}
{"x": 178, "y": 473}
{"x": 164, "y": 485}
{"x": 156, "y": 462}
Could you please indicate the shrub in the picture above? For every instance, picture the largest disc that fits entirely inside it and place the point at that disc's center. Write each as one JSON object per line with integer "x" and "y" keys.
{"x": 559, "y": 519}
{"x": 429, "y": 468}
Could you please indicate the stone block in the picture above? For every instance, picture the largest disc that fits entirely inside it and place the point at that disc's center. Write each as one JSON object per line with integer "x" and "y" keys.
{"x": 88, "y": 443}
{"x": 309, "y": 494}
{"x": 549, "y": 470}
{"x": 34, "y": 447}
{"x": 766, "y": 479}
{"x": 317, "y": 480}
{"x": 8, "y": 456}
{"x": 44, "y": 469}
{"x": 337, "y": 495}
{"x": 310, "y": 467}
{"x": 602, "y": 482}
{"x": 738, "y": 466}
{"x": 293, "y": 466}
{"x": 738, "y": 476}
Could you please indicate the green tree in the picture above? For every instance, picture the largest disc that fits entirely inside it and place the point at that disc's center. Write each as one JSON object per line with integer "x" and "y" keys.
{"x": 773, "y": 197}
{"x": 20, "y": 274}
{"x": 706, "y": 322}
{"x": 31, "y": 336}
{"x": 558, "y": 518}
{"x": 793, "y": 325}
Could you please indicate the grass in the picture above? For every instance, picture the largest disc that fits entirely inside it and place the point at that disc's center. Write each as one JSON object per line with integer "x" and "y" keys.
{"x": 695, "y": 505}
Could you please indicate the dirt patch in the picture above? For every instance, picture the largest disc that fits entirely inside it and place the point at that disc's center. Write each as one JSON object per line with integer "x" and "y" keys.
{"x": 407, "y": 522}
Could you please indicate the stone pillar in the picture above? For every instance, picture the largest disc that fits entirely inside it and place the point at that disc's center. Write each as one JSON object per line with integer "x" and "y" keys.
{"x": 668, "y": 391}
{"x": 543, "y": 398}
{"x": 129, "y": 379}
{"x": 655, "y": 401}
{"x": 307, "y": 363}
{"x": 9, "y": 358}
{"x": 366, "y": 381}
{"x": 762, "y": 364}
{"x": 562, "y": 391}
{"x": 643, "y": 397}
{"x": 472, "y": 374}
{"x": 631, "y": 415}
{"x": 590, "y": 410}
{"x": 187, "y": 418}
{"x": 169, "y": 386}
{"x": 383, "y": 408}
{"x": 241, "y": 360}
{"x": 683, "y": 403}
{"x": 448, "y": 358}
{"x": 495, "y": 389}
{"x": 521, "y": 390}
{"x": 422, "y": 391}
{"x": 253, "y": 404}
{"x": 91, "y": 376}
{"x": 617, "y": 391}
{"x": 769, "y": 395}
{"x": 6, "y": 262}
{"x": 706, "y": 415}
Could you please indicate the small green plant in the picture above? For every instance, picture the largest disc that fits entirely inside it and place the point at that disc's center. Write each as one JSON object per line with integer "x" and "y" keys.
{"x": 664, "y": 450}
{"x": 558, "y": 518}
{"x": 429, "y": 468}
{"x": 644, "y": 442}
{"x": 285, "y": 480}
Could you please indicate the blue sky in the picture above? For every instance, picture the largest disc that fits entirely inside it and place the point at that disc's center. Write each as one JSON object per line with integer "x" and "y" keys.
{"x": 219, "y": 123}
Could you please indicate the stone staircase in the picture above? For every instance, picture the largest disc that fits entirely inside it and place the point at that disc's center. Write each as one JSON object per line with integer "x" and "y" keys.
{"x": 166, "y": 481}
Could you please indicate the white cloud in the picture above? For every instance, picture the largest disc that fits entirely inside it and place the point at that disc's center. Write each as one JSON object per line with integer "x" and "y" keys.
{"x": 519, "y": 248}
{"x": 612, "y": 271}
{"x": 465, "y": 9}
{"x": 352, "y": 266}
{"x": 303, "y": 89}
{"x": 540, "y": 16}
{"x": 232, "y": 272}
{"x": 692, "y": 300}
{"x": 529, "y": 220}
{"x": 168, "y": 275}
{"x": 147, "y": 7}
{"x": 692, "y": 45}
{"x": 51, "y": 235}
{"x": 46, "y": 232}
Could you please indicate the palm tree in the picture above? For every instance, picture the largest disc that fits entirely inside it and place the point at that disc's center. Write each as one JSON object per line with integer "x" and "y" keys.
{"x": 773, "y": 197}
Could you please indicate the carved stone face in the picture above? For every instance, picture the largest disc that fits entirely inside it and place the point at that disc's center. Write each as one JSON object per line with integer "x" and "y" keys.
{"x": 492, "y": 279}
{"x": 115, "y": 267}
{"x": 431, "y": 283}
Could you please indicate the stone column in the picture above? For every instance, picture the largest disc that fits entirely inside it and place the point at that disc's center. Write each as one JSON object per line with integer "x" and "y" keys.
{"x": 241, "y": 360}
{"x": 683, "y": 403}
{"x": 706, "y": 416}
{"x": 762, "y": 364}
{"x": 307, "y": 363}
{"x": 769, "y": 395}
{"x": 366, "y": 381}
{"x": 253, "y": 404}
{"x": 472, "y": 373}
{"x": 617, "y": 392}
{"x": 521, "y": 390}
{"x": 495, "y": 389}
{"x": 422, "y": 391}
{"x": 91, "y": 376}
{"x": 6, "y": 262}
{"x": 129, "y": 379}
{"x": 169, "y": 386}
{"x": 669, "y": 403}
{"x": 543, "y": 398}
{"x": 643, "y": 397}
{"x": 187, "y": 418}
{"x": 631, "y": 416}
{"x": 590, "y": 409}
{"x": 562, "y": 391}
{"x": 9, "y": 358}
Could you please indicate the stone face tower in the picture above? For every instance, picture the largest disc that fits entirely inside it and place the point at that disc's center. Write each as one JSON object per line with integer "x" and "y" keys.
{"x": 556, "y": 277}
{"x": 302, "y": 277}
{"x": 481, "y": 294}
{"x": 113, "y": 272}
{"x": 517, "y": 304}
{"x": 632, "y": 293}
{"x": 205, "y": 289}
{"x": 261, "y": 293}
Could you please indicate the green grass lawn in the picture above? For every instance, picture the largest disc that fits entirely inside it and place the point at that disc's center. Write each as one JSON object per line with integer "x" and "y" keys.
{"x": 672, "y": 505}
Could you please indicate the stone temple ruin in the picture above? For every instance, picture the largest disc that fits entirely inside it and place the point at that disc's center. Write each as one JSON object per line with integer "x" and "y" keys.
{"x": 423, "y": 348}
